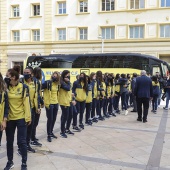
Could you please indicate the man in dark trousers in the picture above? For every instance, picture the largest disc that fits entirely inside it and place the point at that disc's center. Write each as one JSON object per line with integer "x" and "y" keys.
{"x": 133, "y": 82}
{"x": 143, "y": 93}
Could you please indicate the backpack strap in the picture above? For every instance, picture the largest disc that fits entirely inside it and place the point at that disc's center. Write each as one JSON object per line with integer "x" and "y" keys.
{"x": 25, "y": 87}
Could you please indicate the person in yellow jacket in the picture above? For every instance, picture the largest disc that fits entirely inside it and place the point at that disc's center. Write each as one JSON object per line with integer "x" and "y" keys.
{"x": 89, "y": 101}
{"x": 37, "y": 76}
{"x": 80, "y": 90}
{"x": 19, "y": 116}
{"x": 95, "y": 96}
{"x": 3, "y": 106}
{"x": 33, "y": 86}
{"x": 64, "y": 101}
{"x": 51, "y": 90}
{"x": 110, "y": 93}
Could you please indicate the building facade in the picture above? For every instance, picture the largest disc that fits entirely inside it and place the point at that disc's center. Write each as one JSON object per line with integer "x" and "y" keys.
{"x": 82, "y": 26}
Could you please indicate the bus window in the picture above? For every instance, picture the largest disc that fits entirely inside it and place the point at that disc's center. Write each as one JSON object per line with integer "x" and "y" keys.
{"x": 166, "y": 71}
{"x": 155, "y": 69}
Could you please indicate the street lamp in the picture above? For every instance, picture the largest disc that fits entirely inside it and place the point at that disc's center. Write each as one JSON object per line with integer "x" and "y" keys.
{"x": 102, "y": 38}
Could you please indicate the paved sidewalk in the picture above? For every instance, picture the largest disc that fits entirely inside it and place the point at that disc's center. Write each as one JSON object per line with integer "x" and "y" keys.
{"x": 118, "y": 143}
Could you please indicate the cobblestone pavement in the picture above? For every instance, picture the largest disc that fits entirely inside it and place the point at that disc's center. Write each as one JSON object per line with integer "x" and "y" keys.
{"x": 118, "y": 143}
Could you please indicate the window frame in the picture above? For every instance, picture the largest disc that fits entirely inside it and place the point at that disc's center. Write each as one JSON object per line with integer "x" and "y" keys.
{"x": 114, "y": 5}
{"x": 84, "y": 1}
{"x": 16, "y": 38}
{"x": 134, "y": 5}
{"x": 32, "y": 9}
{"x": 83, "y": 28}
{"x": 165, "y": 2}
{"x": 106, "y": 27}
{"x": 12, "y": 11}
{"x": 35, "y": 40}
{"x": 164, "y": 30}
{"x": 139, "y": 31}
{"x": 58, "y": 35}
{"x": 58, "y": 7}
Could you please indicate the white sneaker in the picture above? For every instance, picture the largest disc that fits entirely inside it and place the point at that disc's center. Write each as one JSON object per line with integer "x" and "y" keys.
{"x": 126, "y": 112}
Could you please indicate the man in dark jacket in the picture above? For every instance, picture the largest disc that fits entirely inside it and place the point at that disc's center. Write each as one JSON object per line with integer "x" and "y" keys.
{"x": 143, "y": 93}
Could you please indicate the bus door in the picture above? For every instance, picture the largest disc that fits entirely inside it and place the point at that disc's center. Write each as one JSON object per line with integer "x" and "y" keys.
{"x": 86, "y": 71}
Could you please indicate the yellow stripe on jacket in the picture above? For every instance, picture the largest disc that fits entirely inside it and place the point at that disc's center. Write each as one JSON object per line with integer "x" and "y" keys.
{"x": 2, "y": 103}
{"x": 81, "y": 93}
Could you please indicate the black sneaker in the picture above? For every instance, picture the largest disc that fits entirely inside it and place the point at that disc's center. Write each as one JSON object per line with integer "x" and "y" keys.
{"x": 49, "y": 138}
{"x": 53, "y": 136}
{"x": 36, "y": 139}
{"x": 63, "y": 135}
{"x": 19, "y": 152}
{"x": 29, "y": 149}
{"x": 106, "y": 116}
{"x": 24, "y": 166}
{"x": 81, "y": 126}
{"x": 9, "y": 165}
{"x": 94, "y": 120}
{"x": 69, "y": 132}
{"x": 138, "y": 119}
{"x": 113, "y": 114}
{"x": 36, "y": 143}
{"x": 101, "y": 118}
{"x": 76, "y": 128}
{"x": 89, "y": 123}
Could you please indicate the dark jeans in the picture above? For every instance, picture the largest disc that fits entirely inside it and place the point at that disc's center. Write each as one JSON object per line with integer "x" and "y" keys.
{"x": 88, "y": 110}
{"x": 134, "y": 103}
{"x": 159, "y": 97}
{"x": 116, "y": 102}
{"x": 94, "y": 102}
{"x": 98, "y": 108}
{"x": 155, "y": 103}
{"x": 80, "y": 106}
{"x": 123, "y": 99}
{"x": 127, "y": 98}
{"x": 131, "y": 98}
{"x": 64, "y": 117}
{"x": 74, "y": 116}
{"x": 110, "y": 105}
{"x": 51, "y": 114}
{"x": 1, "y": 136}
{"x": 30, "y": 127}
{"x": 167, "y": 99}
{"x": 145, "y": 103}
{"x": 36, "y": 121}
{"x": 70, "y": 117}
{"x": 22, "y": 133}
{"x": 103, "y": 104}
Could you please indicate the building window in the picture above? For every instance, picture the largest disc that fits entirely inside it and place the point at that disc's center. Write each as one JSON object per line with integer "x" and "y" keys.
{"x": 108, "y": 33}
{"x": 36, "y": 35}
{"x": 62, "y": 7}
{"x": 16, "y": 36}
{"x": 137, "y": 4}
{"x": 62, "y": 34}
{"x": 15, "y": 10}
{"x": 36, "y": 9}
{"x": 83, "y": 33}
{"x": 137, "y": 32}
{"x": 108, "y": 5}
{"x": 84, "y": 6}
{"x": 165, "y": 31}
{"x": 165, "y": 3}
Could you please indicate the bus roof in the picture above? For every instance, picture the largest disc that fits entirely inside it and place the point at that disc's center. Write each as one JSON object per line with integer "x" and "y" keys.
{"x": 104, "y": 54}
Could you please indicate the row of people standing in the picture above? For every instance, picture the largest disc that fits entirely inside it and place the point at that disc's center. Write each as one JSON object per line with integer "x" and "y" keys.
{"x": 98, "y": 94}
